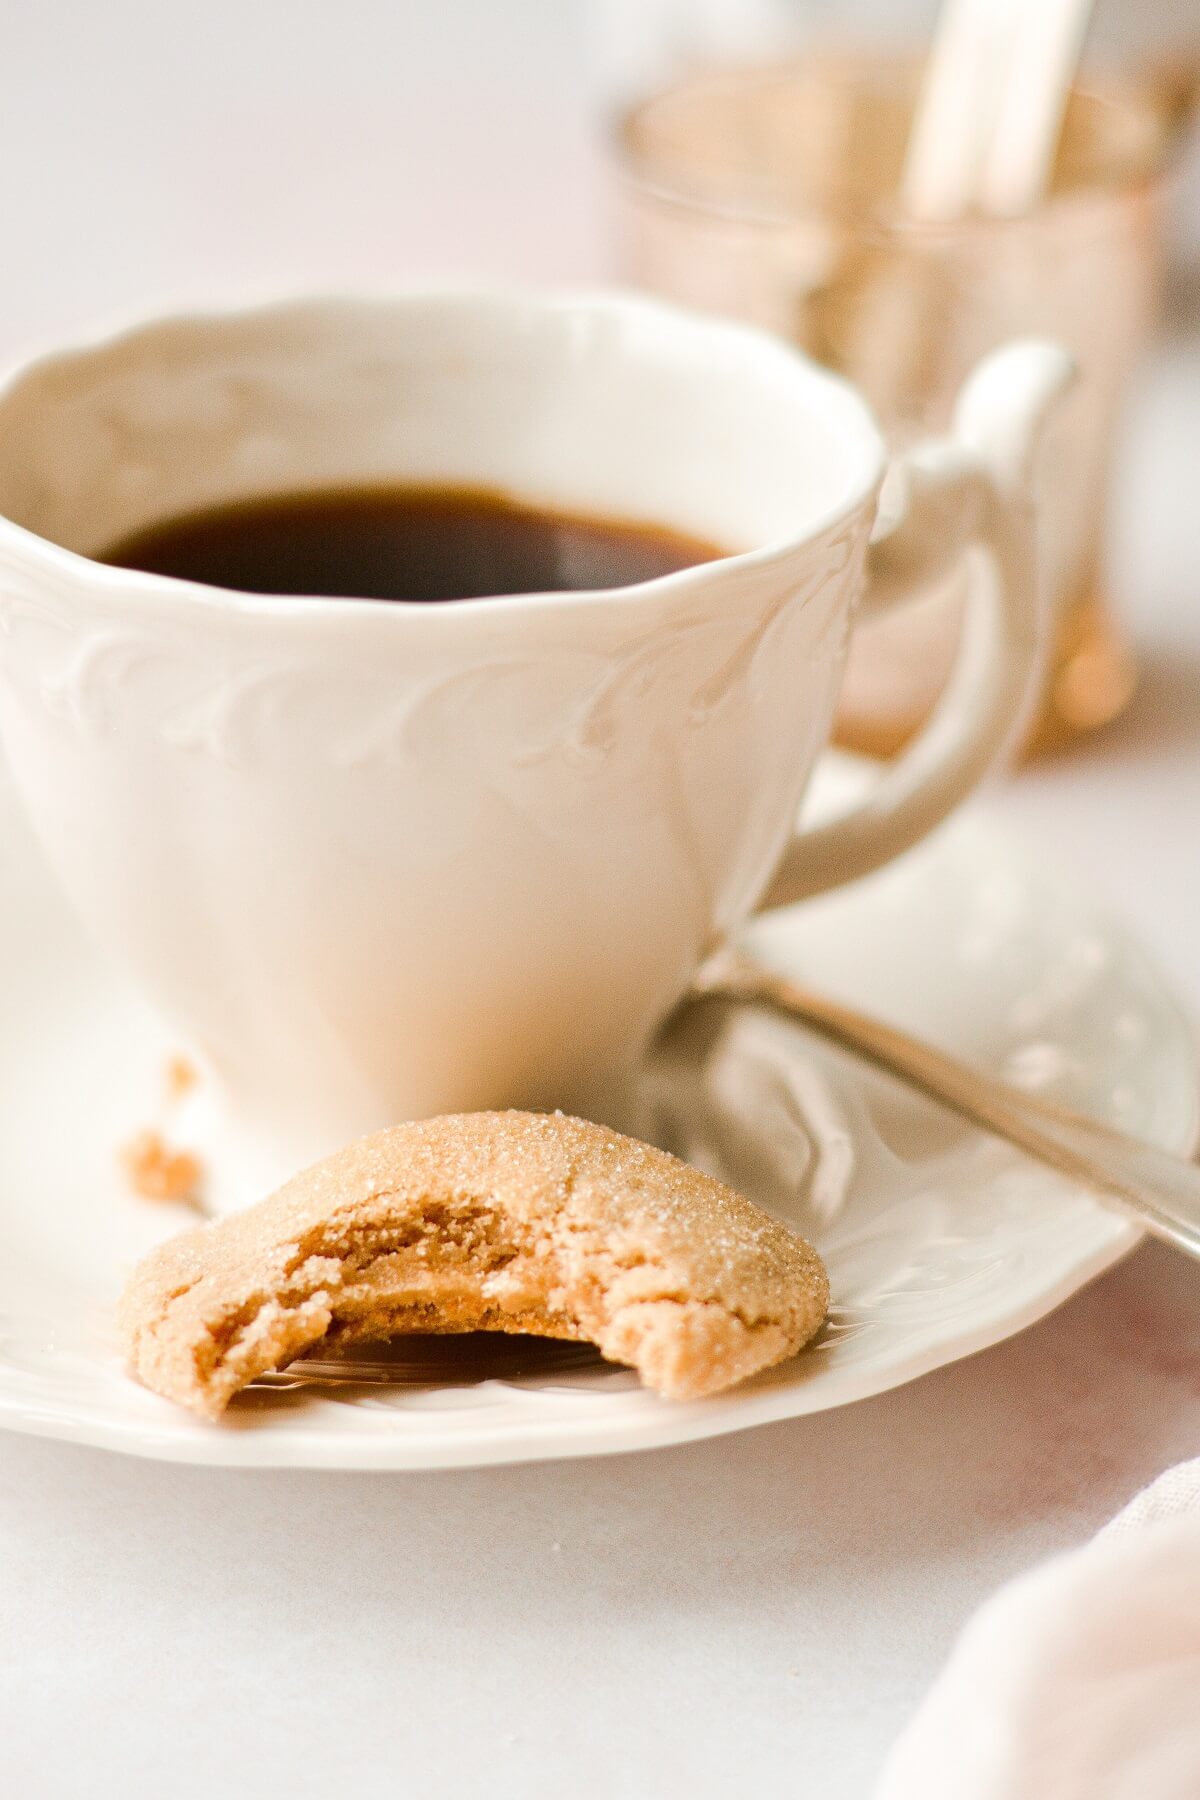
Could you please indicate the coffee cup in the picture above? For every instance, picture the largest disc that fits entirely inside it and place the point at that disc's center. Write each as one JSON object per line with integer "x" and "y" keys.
{"x": 375, "y": 861}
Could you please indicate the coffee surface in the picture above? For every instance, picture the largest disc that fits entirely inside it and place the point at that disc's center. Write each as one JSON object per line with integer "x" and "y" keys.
{"x": 405, "y": 543}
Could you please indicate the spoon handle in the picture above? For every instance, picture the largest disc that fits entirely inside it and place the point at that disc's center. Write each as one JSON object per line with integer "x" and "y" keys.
{"x": 1162, "y": 1191}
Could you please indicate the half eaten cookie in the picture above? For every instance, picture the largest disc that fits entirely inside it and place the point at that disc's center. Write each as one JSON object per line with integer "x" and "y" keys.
{"x": 520, "y": 1222}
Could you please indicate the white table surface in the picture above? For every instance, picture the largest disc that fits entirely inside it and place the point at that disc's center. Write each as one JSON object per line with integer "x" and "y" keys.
{"x": 758, "y": 1613}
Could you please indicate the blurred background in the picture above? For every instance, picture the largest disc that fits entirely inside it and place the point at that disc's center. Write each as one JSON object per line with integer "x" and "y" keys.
{"x": 151, "y": 150}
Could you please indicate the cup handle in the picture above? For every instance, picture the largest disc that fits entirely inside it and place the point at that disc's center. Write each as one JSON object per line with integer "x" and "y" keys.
{"x": 969, "y": 490}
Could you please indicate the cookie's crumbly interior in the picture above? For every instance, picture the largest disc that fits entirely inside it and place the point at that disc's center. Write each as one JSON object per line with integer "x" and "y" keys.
{"x": 516, "y": 1223}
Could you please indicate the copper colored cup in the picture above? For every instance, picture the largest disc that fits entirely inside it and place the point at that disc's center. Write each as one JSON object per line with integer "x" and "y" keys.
{"x": 771, "y": 193}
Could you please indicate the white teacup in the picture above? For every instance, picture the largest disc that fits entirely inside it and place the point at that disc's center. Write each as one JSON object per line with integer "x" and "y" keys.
{"x": 383, "y": 860}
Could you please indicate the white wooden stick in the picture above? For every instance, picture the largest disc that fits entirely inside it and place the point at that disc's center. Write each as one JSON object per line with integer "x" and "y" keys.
{"x": 989, "y": 114}
{"x": 956, "y": 107}
{"x": 1043, "y": 58}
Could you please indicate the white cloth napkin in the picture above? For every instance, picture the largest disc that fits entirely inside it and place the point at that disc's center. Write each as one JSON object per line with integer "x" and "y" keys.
{"x": 1078, "y": 1681}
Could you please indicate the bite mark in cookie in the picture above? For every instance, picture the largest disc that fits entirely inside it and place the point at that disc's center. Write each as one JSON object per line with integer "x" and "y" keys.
{"x": 517, "y": 1222}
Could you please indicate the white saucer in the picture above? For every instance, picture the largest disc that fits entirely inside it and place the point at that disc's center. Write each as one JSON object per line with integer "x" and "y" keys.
{"x": 939, "y": 1241}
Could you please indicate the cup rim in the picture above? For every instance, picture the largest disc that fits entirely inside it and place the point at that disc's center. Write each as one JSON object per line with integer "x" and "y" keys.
{"x": 831, "y": 389}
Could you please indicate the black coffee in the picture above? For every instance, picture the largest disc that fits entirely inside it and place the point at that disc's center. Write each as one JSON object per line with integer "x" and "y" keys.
{"x": 405, "y": 544}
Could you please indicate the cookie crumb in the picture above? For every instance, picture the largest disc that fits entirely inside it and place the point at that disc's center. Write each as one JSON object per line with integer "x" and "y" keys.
{"x": 157, "y": 1172}
{"x": 181, "y": 1076}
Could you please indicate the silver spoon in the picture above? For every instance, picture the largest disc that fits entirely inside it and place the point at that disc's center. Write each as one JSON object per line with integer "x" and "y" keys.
{"x": 1160, "y": 1190}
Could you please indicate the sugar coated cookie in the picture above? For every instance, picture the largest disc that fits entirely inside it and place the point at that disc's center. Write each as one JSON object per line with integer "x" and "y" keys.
{"x": 511, "y": 1221}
